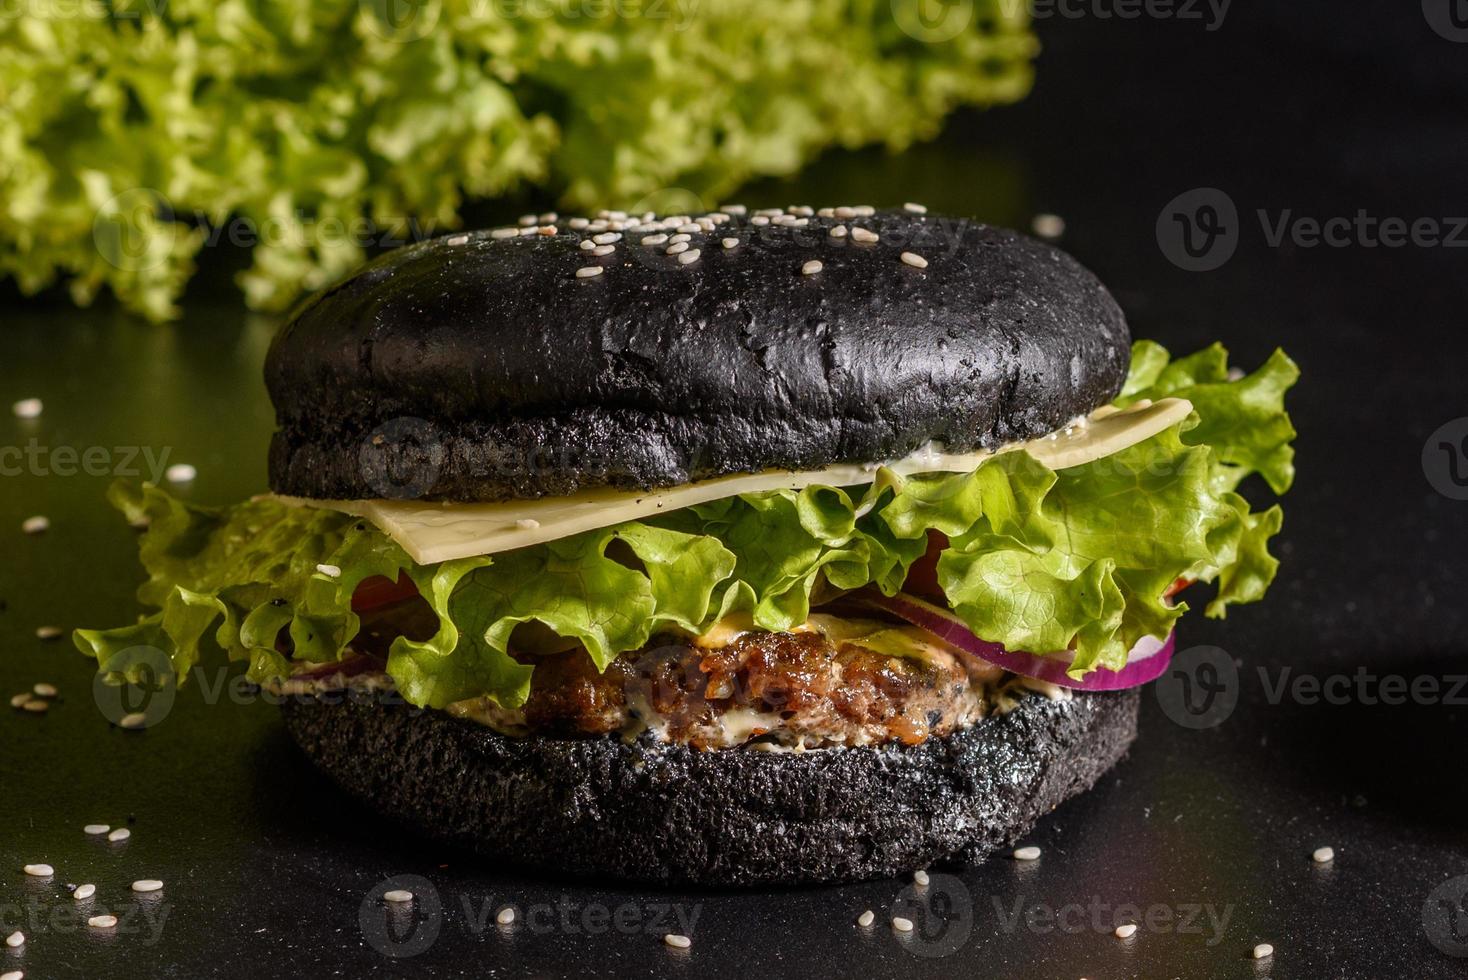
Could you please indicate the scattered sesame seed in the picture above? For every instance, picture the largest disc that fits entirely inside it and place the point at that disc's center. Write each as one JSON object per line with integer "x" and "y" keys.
{"x": 654, "y": 239}
{"x": 456, "y": 240}
{"x": 837, "y": 232}
{"x": 675, "y": 248}
{"x": 578, "y": 223}
{"x": 36, "y": 525}
{"x": 1048, "y": 225}
{"x": 604, "y": 250}
{"x": 84, "y": 892}
{"x": 396, "y": 895}
{"x": 689, "y": 257}
{"x": 586, "y": 245}
{"x": 506, "y": 916}
{"x": 500, "y": 233}
{"x": 617, "y": 215}
{"x": 39, "y": 870}
{"x": 1263, "y": 951}
{"x": 680, "y": 237}
{"x": 44, "y": 690}
{"x": 676, "y": 941}
{"x": 915, "y": 208}
{"x": 153, "y": 885}
{"x": 527, "y": 524}
{"x": 15, "y": 940}
{"x": 180, "y": 473}
{"x": 811, "y": 268}
{"x": 527, "y": 232}
{"x": 49, "y": 632}
{"x": 920, "y": 878}
{"x": 607, "y": 237}
{"x": 901, "y": 924}
{"x": 96, "y": 829}
{"x": 20, "y": 699}
{"x": 1030, "y": 853}
{"x": 526, "y": 220}
{"x": 730, "y": 243}
{"x": 759, "y": 220}
{"x": 844, "y": 212}
{"x": 866, "y": 918}
{"x": 102, "y": 921}
{"x": 689, "y": 229}
{"x": 864, "y": 235}
{"x": 120, "y": 834}
{"x": 1323, "y": 855}
{"x": 546, "y": 230}
{"x": 36, "y": 707}
{"x": 826, "y": 213}
{"x": 734, "y": 209}
{"x": 915, "y": 260}
{"x": 587, "y": 271}
{"x": 1126, "y": 931}
{"x": 547, "y": 218}
{"x": 330, "y": 571}
{"x": 864, "y": 210}
{"x": 13, "y": 975}
{"x": 133, "y": 721}
{"x": 27, "y": 408}
{"x": 769, "y": 212}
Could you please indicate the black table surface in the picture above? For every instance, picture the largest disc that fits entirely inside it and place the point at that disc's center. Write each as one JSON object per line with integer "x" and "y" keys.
{"x": 1204, "y": 836}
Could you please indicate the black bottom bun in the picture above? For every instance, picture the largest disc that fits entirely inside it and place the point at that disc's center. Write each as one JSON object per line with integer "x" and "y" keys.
{"x": 651, "y": 812}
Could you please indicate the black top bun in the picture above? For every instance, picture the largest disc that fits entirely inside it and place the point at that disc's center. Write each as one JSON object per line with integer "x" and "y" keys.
{"x": 475, "y": 367}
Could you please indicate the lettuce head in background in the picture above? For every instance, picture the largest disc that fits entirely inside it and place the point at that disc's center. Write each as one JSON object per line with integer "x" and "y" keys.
{"x": 133, "y": 131}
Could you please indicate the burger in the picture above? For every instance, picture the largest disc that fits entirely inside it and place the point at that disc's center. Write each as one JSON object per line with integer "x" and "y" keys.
{"x": 738, "y": 548}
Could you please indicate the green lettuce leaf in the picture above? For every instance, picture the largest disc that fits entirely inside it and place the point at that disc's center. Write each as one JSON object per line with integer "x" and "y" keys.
{"x": 135, "y": 134}
{"x": 1075, "y": 560}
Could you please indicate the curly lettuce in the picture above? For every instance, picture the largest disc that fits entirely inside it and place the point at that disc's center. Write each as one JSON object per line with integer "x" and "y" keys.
{"x": 135, "y": 133}
{"x": 1042, "y": 560}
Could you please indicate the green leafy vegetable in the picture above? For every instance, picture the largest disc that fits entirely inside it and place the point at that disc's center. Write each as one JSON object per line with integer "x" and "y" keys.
{"x": 301, "y": 128}
{"x": 1038, "y": 560}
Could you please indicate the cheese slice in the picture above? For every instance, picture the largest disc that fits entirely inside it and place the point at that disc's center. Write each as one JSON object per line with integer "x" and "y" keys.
{"x": 432, "y": 531}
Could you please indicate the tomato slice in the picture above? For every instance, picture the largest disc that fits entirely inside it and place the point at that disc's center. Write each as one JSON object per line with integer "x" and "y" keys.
{"x": 922, "y": 575}
{"x": 382, "y": 591}
{"x": 1177, "y": 587}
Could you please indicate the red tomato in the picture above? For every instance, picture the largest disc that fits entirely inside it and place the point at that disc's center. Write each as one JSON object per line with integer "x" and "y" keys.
{"x": 922, "y": 575}
{"x": 381, "y": 591}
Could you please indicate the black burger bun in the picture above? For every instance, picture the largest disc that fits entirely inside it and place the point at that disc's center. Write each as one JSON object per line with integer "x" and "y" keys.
{"x": 475, "y": 367}
{"x": 664, "y": 813}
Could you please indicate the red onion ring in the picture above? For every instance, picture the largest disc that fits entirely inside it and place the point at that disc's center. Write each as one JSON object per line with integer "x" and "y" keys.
{"x": 1146, "y": 661}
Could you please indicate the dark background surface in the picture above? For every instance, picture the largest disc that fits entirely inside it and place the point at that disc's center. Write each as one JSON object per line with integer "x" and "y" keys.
{"x": 1297, "y": 109}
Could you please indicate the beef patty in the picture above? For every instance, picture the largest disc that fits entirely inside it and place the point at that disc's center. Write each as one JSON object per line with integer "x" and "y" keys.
{"x": 799, "y": 690}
